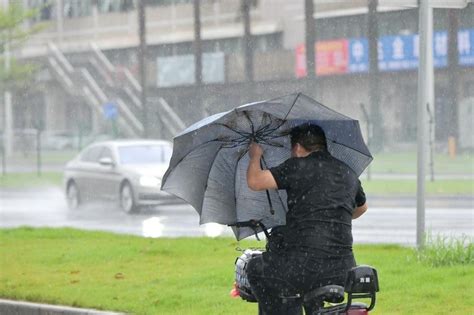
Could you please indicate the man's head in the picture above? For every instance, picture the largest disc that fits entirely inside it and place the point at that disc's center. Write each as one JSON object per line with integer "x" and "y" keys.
{"x": 307, "y": 138}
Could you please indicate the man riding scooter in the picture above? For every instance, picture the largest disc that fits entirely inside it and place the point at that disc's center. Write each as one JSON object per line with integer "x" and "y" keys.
{"x": 314, "y": 248}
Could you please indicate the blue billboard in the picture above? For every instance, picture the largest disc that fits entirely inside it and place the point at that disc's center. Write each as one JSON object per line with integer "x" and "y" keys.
{"x": 358, "y": 55}
{"x": 466, "y": 47}
{"x": 400, "y": 52}
{"x": 397, "y": 53}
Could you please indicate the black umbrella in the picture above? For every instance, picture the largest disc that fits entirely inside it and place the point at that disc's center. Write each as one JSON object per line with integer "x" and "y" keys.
{"x": 209, "y": 162}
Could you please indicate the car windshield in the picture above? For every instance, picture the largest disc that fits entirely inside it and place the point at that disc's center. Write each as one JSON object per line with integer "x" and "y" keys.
{"x": 144, "y": 154}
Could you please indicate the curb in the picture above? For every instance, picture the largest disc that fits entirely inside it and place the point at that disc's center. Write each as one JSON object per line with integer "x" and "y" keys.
{"x": 9, "y": 307}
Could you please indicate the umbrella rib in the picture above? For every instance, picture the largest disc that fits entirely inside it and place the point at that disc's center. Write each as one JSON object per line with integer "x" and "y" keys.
{"x": 276, "y": 190}
{"x": 284, "y": 119}
{"x": 286, "y": 116}
{"x": 251, "y": 122}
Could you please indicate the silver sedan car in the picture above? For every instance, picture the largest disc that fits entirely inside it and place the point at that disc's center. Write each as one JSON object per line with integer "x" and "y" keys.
{"x": 127, "y": 171}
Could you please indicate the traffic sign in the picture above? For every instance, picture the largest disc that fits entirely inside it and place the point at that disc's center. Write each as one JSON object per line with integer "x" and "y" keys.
{"x": 110, "y": 111}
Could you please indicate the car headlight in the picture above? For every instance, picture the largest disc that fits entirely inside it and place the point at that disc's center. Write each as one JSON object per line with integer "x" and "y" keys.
{"x": 149, "y": 181}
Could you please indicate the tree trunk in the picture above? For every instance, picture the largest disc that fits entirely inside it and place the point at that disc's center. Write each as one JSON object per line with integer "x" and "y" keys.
{"x": 247, "y": 41}
{"x": 310, "y": 38}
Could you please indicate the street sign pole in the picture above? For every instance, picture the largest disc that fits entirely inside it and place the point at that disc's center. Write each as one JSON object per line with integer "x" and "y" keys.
{"x": 425, "y": 99}
{"x": 425, "y": 91}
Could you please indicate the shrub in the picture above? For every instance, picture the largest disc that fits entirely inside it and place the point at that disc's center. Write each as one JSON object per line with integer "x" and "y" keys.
{"x": 443, "y": 250}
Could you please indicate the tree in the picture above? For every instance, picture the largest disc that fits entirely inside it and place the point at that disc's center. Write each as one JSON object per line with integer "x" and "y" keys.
{"x": 12, "y": 35}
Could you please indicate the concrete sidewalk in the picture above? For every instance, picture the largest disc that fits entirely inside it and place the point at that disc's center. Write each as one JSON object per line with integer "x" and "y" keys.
{"x": 9, "y": 307}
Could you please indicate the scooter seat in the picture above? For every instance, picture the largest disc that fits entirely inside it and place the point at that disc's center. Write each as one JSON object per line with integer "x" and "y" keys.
{"x": 328, "y": 293}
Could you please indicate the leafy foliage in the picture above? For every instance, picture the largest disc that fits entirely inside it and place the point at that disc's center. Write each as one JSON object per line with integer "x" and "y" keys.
{"x": 13, "y": 33}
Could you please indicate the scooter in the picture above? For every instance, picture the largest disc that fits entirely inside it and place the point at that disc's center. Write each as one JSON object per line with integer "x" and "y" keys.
{"x": 361, "y": 283}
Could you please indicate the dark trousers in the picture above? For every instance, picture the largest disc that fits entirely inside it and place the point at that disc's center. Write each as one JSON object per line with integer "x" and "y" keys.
{"x": 276, "y": 279}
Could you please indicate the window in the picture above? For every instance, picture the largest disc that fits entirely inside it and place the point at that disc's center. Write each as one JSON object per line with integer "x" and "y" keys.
{"x": 107, "y": 153}
{"x": 77, "y": 8}
{"x": 145, "y": 154}
{"x": 92, "y": 154}
{"x": 398, "y": 22}
{"x": 166, "y": 2}
{"x": 341, "y": 27}
{"x": 466, "y": 16}
{"x": 106, "y": 6}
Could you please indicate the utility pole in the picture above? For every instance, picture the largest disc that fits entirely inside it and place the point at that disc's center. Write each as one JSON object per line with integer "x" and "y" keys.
{"x": 247, "y": 41}
{"x": 197, "y": 43}
{"x": 374, "y": 88}
{"x": 7, "y": 97}
{"x": 142, "y": 64}
{"x": 425, "y": 100}
{"x": 310, "y": 38}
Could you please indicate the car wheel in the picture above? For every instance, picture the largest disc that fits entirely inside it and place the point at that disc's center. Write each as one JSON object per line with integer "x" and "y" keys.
{"x": 127, "y": 199}
{"x": 73, "y": 196}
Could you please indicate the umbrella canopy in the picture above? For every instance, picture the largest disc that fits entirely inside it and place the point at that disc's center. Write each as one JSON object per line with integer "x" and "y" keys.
{"x": 209, "y": 162}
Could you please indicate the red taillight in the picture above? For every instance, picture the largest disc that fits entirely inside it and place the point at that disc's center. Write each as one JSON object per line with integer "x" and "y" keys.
{"x": 234, "y": 292}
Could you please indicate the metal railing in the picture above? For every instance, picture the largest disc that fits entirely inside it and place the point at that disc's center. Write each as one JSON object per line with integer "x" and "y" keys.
{"x": 132, "y": 89}
{"x": 91, "y": 91}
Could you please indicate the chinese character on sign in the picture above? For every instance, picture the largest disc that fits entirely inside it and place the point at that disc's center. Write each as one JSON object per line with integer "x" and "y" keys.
{"x": 441, "y": 44}
{"x": 357, "y": 51}
{"x": 398, "y": 48}
{"x": 380, "y": 50}
{"x": 338, "y": 58}
{"x": 464, "y": 43}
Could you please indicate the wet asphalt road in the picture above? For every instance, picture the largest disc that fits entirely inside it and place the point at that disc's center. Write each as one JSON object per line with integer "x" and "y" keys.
{"x": 46, "y": 207}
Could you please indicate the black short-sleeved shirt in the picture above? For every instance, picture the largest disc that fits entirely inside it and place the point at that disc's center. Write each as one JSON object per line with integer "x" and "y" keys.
{"x": 322, "y": 194}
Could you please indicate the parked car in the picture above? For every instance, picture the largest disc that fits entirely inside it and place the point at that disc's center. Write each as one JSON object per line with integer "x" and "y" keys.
{"x": 127, "y": 171}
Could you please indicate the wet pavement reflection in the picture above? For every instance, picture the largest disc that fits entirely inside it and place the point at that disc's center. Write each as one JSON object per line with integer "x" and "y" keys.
{"x": 47, "y": 208}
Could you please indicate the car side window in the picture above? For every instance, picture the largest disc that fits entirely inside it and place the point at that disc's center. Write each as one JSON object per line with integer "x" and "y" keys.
{"x": 107, "y": 153}
{"x": 92, "y": 155}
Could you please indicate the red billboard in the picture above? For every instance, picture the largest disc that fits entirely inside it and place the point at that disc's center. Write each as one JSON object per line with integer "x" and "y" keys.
{"x": 332, "y": 57}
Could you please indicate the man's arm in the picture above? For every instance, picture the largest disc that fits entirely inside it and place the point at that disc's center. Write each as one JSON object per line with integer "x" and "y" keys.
{"x": 359, "y": 211}
{"x": 258, "y": 179}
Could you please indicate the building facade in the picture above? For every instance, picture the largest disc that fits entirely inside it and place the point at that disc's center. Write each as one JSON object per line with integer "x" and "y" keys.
{"x": 89, "y": 63}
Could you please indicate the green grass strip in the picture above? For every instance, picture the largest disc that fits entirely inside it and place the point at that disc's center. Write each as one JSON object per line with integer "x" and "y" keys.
{"x": 29, "y": 180}
{"x": 404, "y": 187}
{"x": 194, "y": 275}
{"x": 405, "y": 163}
